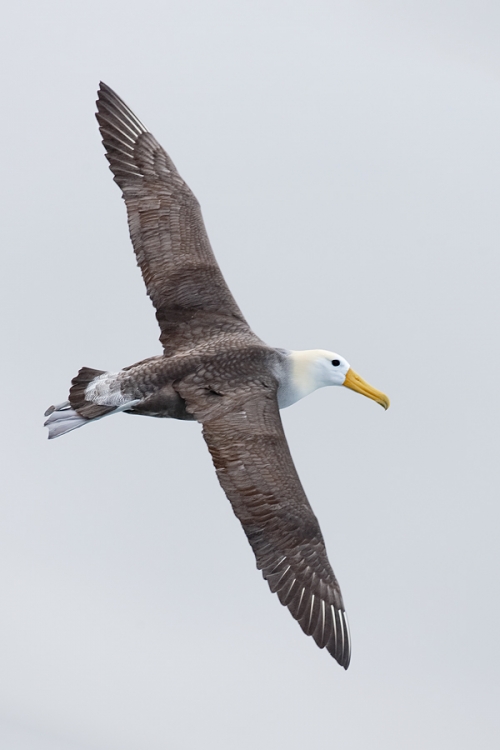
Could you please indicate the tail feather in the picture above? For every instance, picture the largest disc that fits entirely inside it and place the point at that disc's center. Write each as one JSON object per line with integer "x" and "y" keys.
{"x": 80, "y": 409}
{"x": 61, "y": 421}
{"x": 77, "y": 397}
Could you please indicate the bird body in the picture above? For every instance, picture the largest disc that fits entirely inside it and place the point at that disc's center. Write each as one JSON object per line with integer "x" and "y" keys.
{"x": 215, "y": 370}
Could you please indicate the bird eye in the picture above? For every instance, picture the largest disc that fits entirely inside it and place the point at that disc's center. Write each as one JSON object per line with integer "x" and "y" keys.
{"x": 335, "y": 362}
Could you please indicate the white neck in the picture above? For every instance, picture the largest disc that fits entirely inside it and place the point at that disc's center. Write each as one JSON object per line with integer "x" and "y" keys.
{"x": 304, "y": 375}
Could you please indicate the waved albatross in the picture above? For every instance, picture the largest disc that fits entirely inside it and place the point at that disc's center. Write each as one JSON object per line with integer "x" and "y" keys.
{"x": 215, "y": 370}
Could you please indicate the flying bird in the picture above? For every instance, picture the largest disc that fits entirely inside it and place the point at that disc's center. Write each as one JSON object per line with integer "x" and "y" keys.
{"x": 215, "y": 370}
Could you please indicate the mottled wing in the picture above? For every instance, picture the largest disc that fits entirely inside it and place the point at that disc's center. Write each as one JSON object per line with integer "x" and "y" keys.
{"x": 193, "y": 303}
{"x": 251, "y": 456}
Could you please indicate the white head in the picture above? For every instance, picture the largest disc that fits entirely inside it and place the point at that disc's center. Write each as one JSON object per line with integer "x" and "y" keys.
{"x": 317, "y": 368}
{"x": 326, "y": 368}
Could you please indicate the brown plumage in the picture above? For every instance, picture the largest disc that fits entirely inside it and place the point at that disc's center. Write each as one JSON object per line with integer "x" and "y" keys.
{"x": 256, "y": 471}
{"x": 216, "y": 370}
{"x": 193, "y": 303}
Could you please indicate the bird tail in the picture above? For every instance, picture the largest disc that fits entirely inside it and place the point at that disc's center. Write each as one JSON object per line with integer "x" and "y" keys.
{"x": 77, "y": 411}
{"x": 62, "y": 419}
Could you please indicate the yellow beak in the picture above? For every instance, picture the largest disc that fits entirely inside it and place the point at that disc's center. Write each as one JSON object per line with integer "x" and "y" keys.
{"x": 356, "y": 383}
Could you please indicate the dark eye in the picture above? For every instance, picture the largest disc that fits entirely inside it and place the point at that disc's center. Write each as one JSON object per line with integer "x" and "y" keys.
{"x": 335, "y": 362}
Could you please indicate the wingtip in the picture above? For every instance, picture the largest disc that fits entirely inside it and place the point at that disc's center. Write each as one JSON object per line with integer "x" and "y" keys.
{"x": 113, "y": 112}
{"x": 106, "y": 93}
{"x": 339, "y": 644}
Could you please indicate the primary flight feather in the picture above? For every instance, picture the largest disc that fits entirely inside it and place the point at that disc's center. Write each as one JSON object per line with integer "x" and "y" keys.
{"x": 215, "y": 370}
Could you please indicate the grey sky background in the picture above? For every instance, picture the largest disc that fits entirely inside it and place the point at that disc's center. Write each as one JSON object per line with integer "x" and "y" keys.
{"x": 346, "y": 157}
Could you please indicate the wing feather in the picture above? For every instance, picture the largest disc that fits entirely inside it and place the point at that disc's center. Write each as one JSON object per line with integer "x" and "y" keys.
{"x": 192, "y": 301}
{"x": 254, "y": 466}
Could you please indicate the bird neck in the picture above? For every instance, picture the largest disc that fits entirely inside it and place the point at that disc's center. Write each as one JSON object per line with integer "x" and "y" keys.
{"x": 302, "y": 377}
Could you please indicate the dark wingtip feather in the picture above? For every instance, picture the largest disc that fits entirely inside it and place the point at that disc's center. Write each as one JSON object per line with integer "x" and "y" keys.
{"x": 316, "y": 605}
{"x": 339, "y": 645}
{"x": 121, "y": 131}
{"x": 108, "y": 101}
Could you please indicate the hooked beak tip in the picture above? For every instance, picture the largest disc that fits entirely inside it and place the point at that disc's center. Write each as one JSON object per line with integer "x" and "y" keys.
{"x": 356, "y": 383}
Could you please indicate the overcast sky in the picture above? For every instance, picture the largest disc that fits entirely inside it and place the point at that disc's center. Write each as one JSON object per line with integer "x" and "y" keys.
{"x": 346, "y": 156}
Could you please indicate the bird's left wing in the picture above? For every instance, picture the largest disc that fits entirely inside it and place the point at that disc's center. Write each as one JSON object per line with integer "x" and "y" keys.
{"x": 245, "y": 436}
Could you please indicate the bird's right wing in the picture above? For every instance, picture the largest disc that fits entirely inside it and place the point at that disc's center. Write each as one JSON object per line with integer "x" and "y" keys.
{"x": 193, "y": 303}
{"x": 245, "y": 436}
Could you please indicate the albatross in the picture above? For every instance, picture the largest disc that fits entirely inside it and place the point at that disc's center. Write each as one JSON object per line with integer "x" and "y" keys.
{"x": 216, "y": 371}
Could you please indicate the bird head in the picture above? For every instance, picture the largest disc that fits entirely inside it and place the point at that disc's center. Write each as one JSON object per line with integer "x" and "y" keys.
{"x": 330, "y": 368}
